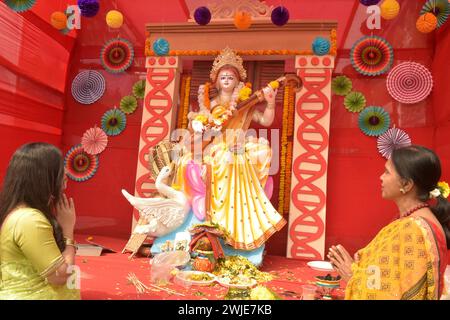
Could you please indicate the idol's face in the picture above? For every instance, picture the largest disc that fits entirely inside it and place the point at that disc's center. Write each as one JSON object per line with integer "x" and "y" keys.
{"x": 227, "y": 80}
{"x": 390, "y": 182}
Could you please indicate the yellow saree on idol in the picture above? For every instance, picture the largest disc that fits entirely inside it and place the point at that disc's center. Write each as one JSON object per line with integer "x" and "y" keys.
{"x": 235, "y": 167}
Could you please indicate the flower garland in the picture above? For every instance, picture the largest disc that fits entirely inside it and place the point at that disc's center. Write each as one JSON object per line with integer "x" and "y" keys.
{"x": 150, "y": 53}
{"x": 289, "y": 152}
{"x": 284, "y": 142}
{"x": 182, "y": 94}
{"x": 333, "y": 40}
{"x": 187, "y": 91}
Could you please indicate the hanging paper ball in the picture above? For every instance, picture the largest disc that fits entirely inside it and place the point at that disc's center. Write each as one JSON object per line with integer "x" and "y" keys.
{"x": 369, "y": 3}
{"x": 58, "y": 20}
{"x": 280, "y": 16}
{"x": 88, "y": 8}
{"x": 440, "y": 8}
{"x": 321, "y": 46}
{"x": 128, "y": 104}
{"x": 20, "y": 5}
{"x": 341, "y": 85}
{"x": 161, "y": 47}
{"x": 426, "y": 23}
{"x": 355, "y": 101}
{"x": 390, "y": 9}
{"x": 242, "y": 20}
{"x": 139, "y": 89}
{"x": 202, "y": 16}
{"x": 114, "y": 19}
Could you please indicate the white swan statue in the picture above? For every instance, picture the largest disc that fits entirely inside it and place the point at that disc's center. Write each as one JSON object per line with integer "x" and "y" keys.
{"x": 164, "y": 215}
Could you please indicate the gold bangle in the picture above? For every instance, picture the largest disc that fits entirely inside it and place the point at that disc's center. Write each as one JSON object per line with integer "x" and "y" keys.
{"x": 69, "y": 241}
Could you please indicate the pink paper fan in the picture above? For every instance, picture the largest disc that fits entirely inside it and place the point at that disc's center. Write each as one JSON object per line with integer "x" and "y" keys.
{"x": 409, "y": 82}
{"x": 94, "y": 141}
{"x": 392, "y": 139}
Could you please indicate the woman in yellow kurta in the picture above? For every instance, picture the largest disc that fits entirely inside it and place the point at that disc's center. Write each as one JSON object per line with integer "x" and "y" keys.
{"x": 238, "y": 166}
{"x": 37, "y": 220}
{"x": 407, "y": 258}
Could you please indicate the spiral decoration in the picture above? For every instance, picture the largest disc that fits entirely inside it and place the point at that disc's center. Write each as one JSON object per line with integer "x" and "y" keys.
{"x": 114, "y": 122}
{"x": 374, "y": 121}
{"x": 440, "y": 8}
{"x": 355, "y": 101}
{"x": 20, "y": 5}
{"x": 139, "y": 89}
{"x": 161, "y": 47}
{"x": 117, "y": 55}
{"x": 128, "y": 104}
{"x": 80, "y": 165}
{"x": 94, "y": 141}
{"x": 88, "y": 86}
{"x": 372, "y": 56}
{"x": 409, "y": 82}
{"x": 392, "y": 139}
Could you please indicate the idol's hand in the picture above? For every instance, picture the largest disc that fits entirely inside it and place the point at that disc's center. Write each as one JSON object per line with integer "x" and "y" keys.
{"x": 269, "y": 95}
{"x": 197, "y": 126}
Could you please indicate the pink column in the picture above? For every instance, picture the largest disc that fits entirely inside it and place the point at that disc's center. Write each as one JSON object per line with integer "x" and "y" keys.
{"x": 306, "y": 237}
{"x": 161, "y": 96}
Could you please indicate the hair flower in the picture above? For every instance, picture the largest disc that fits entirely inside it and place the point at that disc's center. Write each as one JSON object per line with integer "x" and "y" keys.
{"x": 443, "y": 188}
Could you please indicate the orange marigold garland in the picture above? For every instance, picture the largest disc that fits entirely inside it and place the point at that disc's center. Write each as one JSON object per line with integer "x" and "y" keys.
{"x": 284, "y": 132}
{"x": 333, "y": 38}
{"x": 150, "y": 53}
{"x": 206, "y": 101}
{"x": 186, "y": 101}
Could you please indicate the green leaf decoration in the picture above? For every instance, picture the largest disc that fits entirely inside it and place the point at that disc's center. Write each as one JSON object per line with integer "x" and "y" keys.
{"x": 355, "y": 101}
{"x": 128, "y": 104}
{"x": 139, "y": 89}
{"x": 341, "y": 85}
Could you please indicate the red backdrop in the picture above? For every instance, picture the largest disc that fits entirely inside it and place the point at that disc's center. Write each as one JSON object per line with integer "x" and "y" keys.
{"x": 355, "y": 210}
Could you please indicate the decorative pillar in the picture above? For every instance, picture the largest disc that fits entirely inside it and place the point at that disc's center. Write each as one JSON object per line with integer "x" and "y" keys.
{"x": 306, "y": 237}
{"x": 161, "y": 96}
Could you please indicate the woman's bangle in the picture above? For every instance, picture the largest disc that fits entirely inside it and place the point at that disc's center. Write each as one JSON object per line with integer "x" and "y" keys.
{"x": 69, "y": 242}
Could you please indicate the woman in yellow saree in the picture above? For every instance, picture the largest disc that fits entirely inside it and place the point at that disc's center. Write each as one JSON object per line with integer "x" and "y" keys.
{"x": 237, "y": 166}
{"x": 407, "y": 258}
{"x": 37, "y": 250}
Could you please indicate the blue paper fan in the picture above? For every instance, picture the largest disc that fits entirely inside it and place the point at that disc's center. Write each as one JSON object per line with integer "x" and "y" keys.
{"x": 374, "y": 121}
{"x": 20, "y": 5}
{"x": 114, "y": 122}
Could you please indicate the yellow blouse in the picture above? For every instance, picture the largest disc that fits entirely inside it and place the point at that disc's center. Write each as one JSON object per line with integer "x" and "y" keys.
{"x": 28, "y": 254}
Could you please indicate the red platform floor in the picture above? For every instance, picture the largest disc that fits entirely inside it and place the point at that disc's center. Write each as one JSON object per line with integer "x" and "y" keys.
{"x": 105, "y": 277}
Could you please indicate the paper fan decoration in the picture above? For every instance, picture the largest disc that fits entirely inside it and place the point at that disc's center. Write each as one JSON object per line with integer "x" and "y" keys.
{"x": 20, "y": 5}
{"x": 88, "y": 86}
{"x": 372, "y": 56}
{"x": 355, "y": 101}
{"x": 139, "y": 89}
{"x": 117, "y": 55}
{"x": 128, "y": 104}
{"x": 392, "y": 139}
{"x": 374, "y": 121}
{"x": 440, "y": 8}
{"x": 409, "y": 82}
{"x": 113, "y": 122}
{"x": 94, "y": 141}
{"x": 341, "y": 85}
{"x": 80, "y": 165}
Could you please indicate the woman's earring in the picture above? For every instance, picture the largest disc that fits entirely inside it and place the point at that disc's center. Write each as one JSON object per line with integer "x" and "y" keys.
{"x": 402, "y": 191}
